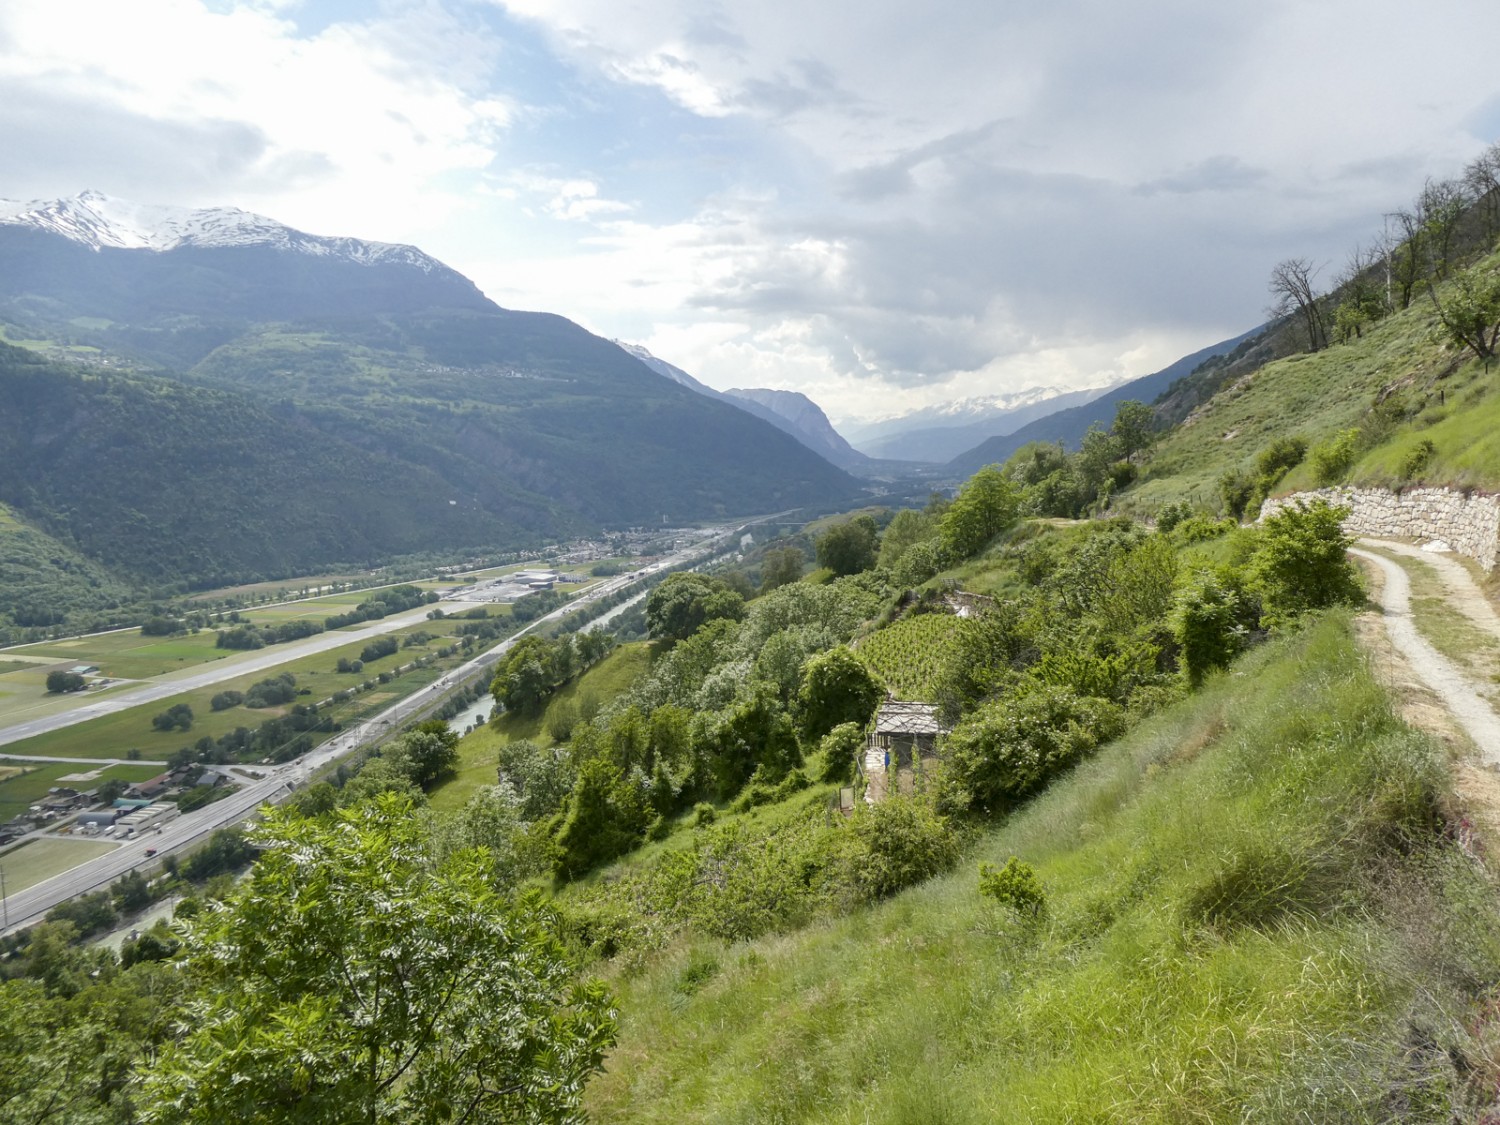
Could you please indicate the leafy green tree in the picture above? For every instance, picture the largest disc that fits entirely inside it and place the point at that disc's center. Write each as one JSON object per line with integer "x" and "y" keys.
{"x": 837, "y": 688}
{"x": 1096, "y": 453}
{"x": 607, "y": 816}
{"x": 1301, "y": 563}
{"x": 781, "y": 565}
{"x": 987, "y": 504}
{"x": 425, "y": 754}
{"x": 177, "y": 717}
{"x": 848, "y": 547}
{"x": 1133, "y": 428}
{"x": 906, "y": 529}
{"x": 840, "y": 747}
{"x": 59, "y": 681}
{"x": 349, "y": 980}
{"x": 1470, "y": 312}
{"x": 687, "y": 601}
{"x": 525, "y": 677}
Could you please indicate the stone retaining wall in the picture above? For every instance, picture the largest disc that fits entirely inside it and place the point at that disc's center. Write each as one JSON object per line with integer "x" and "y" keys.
{"x": 1470, "y": 524}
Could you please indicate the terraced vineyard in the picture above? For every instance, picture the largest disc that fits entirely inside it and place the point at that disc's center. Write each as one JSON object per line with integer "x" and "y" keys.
{"x": 908, "y": 654}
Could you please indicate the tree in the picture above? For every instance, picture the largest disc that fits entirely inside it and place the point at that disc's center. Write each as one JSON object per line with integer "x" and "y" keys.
{"x": 836, "y": 688}
{"x": 179, "y": 716}
{"x": 986, "y": 505}
{"x": 1133, "y": 427}
{"x": 908, "y": 528}
{"x": 686, "y": 601}
{"x": 848, "y": 547}
{"x": 524, "y": 679}
{"x": 350, "y": 980}
{"x": 1470, "y": 313}
{"x": 779, "y": 566}
{"x": 426, "y": 753}
{"x": 1292, "y": 293}
{"x": 60, "y": 681}
{"x": 1205, "y": 624}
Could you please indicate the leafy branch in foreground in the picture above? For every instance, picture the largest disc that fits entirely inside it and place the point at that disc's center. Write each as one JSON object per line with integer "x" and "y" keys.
{"x": 349, "y": 981}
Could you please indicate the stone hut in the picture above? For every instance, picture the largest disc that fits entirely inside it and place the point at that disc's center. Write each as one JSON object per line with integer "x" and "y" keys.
{"x": 903, "y": 737}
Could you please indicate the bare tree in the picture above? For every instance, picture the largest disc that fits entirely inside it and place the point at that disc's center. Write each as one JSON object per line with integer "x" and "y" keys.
{"x": 1363, "y": 290}
{"x": 1482, "y": 182}
{"x": 1292, "y": 292}
{"x": 1441, "y": 207}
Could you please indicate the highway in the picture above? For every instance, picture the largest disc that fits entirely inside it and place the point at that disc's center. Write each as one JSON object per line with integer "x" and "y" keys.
{"x": 29, "y": 906}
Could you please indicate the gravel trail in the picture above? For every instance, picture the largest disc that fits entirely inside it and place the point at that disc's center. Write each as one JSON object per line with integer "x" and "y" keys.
{"x": 1448, "y": 682}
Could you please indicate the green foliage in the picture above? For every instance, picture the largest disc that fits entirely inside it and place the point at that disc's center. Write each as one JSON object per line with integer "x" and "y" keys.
{"x": 1015, "y": 885}
{"x": 918, "y": 563}
{"x": 779, "y": 566}
{"x": 900, "y": 842}
{"x": 381, "y": 647}
{"x": 687, "y": 601}
{"x": 1470, "y": 311}
{"x": 347, "y": 980}
{"x": 59, "y": 681}
{"x": 1300, "y": 562}
{"x": 273, "y": 691}
{"x": 840, "y": 747}
{"x": 907, "y": 528}
{"x": 179, "y": 716}
{"x": 848, "y": 547}
{"x": 224, "y": 700}
{"x": 607, "y": 815}
{"x": 1332, "y": 459}
{"x": 1010, "y": 748}
{"x": 1417, "y": 458}
{"x": 987, "y": 504}
{"x": 1133, "y": 427}
{"x": 909, "y": 654}
{"x": 1206, "y": 625}
{"x": 837, "y": 687}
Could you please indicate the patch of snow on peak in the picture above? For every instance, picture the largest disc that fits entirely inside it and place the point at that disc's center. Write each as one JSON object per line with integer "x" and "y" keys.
{"x": 98, "y": 221}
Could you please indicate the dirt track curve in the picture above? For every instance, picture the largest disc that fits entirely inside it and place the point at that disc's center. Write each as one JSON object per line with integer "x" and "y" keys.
{"x": 1451, "y": 684}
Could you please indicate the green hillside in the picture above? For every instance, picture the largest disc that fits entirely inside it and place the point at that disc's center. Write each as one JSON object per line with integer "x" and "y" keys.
{"x": 1246, "y": 920}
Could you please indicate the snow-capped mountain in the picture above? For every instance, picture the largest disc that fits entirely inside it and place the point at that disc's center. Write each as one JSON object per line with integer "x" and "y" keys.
{"x": 101, "y": 221}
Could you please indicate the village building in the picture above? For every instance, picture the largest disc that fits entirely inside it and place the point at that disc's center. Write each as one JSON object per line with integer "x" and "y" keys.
{"x": 904, "y": 738}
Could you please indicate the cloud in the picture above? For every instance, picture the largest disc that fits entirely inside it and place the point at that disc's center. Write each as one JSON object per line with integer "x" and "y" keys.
{"x": 1217, "y": 173}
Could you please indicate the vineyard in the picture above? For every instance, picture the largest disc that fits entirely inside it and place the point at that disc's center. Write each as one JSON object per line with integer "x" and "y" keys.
{"x": 908, "y": 654}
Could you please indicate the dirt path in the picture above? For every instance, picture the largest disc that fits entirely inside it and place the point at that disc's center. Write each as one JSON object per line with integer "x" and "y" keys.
{"x": 1450, "y": 684}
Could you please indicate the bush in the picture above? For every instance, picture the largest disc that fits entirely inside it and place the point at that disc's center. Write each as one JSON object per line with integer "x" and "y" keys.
{"x": 901, "y": 841}
{"x": 840, "y": 747}
{"x": 704, "y": 814}
{"x": 1011, "y": 747}
{"x": 177, "y": 717}
{"x": 1332, "y": 459}
{"x": 385, "y": 646}
{"x": 1417, "y": 458}
{"x": 226, "y": 699}
{"x": 1301, "y": 565}
{"x": 1205, "y": 624}
{"x": 1015, "y": 885}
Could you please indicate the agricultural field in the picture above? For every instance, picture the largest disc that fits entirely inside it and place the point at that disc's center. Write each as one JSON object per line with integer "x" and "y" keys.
{"x": 38, "y": 860}
{"x": 112, "y": 736}
{"x": 908, "y": 654}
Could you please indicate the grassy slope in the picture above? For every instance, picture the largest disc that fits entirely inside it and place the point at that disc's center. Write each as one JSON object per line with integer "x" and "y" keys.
{"x": 1141, "y": 998}
{"x": 1319, "y": 394}
{"x": 478, "y": 751}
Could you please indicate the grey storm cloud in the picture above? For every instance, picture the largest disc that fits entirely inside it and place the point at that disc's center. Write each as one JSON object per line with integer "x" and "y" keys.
{"x": 57, "y": 142}
{"x": 1003, "y": 258}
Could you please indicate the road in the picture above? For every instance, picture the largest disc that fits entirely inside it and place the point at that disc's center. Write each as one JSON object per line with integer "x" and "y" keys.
{"x": 27, "y": 907}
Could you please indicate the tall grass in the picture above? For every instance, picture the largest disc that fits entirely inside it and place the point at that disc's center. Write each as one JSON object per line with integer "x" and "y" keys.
{"x": 1253, "y": 914}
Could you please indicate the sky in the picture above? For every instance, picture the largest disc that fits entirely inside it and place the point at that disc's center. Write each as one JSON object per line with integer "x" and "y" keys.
{"x": 885, "y": 205}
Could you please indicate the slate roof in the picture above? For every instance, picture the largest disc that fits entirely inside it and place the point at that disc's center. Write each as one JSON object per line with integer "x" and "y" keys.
{"x": 898, "y": 716}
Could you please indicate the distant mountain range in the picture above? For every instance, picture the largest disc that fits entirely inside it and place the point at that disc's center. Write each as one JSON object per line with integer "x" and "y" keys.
{"x": 940, "y": 433}
{"x": 382, "y": 389}
{"x": 1068, "y": 426}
